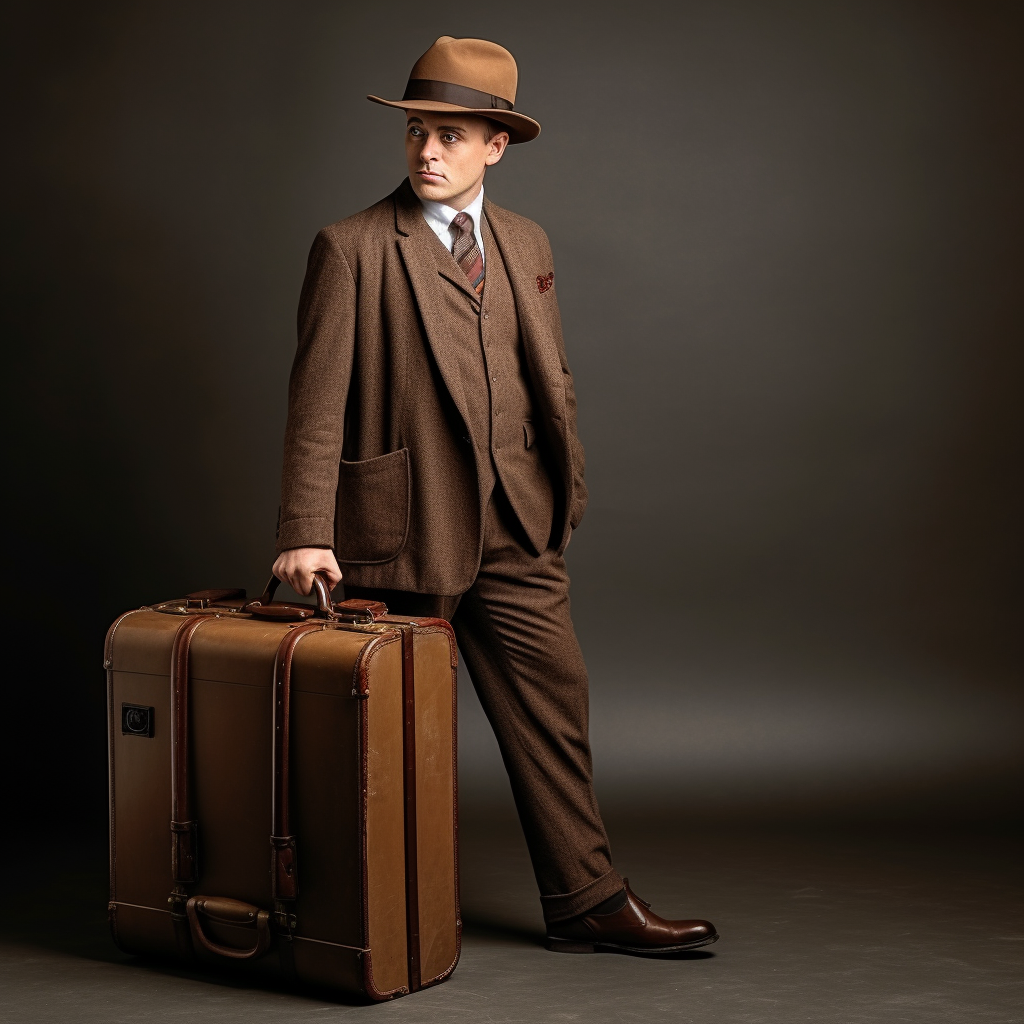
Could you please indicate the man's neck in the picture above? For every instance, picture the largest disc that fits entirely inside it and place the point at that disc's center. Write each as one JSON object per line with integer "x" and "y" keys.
{"x": 461, "y": 201}
{"x": 438, "y": 206}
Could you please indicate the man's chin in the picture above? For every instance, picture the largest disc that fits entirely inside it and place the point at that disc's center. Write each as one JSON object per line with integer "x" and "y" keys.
{"x": 434, "y": 192}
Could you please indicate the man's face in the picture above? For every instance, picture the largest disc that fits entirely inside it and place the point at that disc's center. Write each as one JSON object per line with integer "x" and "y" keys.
{"x": 448, "y": 154}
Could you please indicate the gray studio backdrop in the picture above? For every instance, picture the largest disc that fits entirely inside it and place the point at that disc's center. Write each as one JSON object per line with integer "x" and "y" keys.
{"x": 787, "y": 240}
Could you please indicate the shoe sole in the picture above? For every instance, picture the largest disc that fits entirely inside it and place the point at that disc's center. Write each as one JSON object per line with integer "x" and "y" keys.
{"x": 575, "y": 946}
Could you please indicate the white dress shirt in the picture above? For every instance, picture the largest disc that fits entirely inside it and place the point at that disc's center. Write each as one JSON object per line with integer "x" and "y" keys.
{"x": 439, "y": 217}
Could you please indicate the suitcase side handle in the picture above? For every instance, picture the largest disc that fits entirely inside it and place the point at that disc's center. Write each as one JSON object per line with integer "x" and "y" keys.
{"x": 227, "y": 911}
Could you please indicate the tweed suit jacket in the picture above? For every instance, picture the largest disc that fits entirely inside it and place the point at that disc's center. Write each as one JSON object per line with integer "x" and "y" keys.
{"x": 376, "y": 459}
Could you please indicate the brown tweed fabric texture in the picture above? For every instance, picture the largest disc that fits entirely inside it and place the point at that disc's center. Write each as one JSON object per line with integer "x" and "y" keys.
{"x": 516, "y": 636}
{"x": 375, "y": 463}
{"x": 507, "y": 436}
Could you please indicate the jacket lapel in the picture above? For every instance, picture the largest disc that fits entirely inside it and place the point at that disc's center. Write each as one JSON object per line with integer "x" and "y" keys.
{"x": 541, "y": 351}
{"x": 417, "y": 245}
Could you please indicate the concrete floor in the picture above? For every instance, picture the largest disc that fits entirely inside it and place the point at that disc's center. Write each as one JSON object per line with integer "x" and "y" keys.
{"x": 816, "y": 926}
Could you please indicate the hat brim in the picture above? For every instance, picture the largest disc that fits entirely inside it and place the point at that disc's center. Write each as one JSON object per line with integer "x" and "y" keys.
{"x": 520, "y": 127}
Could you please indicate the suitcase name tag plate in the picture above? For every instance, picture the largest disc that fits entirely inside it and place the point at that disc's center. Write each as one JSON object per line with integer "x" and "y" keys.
{"x": 137, "y": 720}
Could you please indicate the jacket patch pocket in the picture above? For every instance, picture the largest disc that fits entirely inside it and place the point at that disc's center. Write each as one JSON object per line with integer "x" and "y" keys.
{"x": 371, "y": 521}
{"x": 528, "y": 435}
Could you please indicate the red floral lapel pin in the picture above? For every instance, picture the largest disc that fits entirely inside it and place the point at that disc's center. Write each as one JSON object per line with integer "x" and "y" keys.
{"x": 545, "y": 281}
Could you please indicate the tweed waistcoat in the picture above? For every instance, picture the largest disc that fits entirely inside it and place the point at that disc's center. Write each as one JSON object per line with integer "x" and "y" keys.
{"x": 499, "y": 402}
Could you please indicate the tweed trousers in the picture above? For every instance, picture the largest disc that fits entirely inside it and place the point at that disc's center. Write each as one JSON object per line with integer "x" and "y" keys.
{"x": 517, "y": 639}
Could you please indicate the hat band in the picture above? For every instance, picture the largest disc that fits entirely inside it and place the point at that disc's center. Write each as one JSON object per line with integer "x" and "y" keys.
{"x": 446, "y": 92}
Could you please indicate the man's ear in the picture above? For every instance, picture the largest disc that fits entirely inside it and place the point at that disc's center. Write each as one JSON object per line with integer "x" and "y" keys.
{"x": 496, "y": 148}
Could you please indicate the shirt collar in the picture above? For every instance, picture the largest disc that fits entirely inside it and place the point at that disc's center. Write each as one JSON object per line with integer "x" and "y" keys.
{"x": 439, "y": 216}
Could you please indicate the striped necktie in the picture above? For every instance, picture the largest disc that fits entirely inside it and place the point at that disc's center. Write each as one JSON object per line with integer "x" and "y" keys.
{"x": 466, "y": 252}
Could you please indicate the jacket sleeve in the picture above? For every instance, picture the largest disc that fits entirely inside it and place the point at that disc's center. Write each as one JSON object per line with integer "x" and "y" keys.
{"x": 317, "y": 392}
{"x": 579, "y": 488}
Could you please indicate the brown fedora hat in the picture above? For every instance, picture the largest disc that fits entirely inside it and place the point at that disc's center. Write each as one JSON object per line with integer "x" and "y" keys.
{"x": 470, "y": 76}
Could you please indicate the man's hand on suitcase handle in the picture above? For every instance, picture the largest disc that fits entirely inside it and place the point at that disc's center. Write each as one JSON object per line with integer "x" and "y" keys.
{"x": 297, "y": 565}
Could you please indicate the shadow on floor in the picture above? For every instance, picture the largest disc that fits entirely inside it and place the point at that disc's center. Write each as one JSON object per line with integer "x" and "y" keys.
{"x": 865, "y": 924}
{"x": 484, "y": 927}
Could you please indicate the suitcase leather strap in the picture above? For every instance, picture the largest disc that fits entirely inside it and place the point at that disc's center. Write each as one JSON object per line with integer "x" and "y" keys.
{"x": 284, "y": 878}
{"x": 184, "y": 858}
{"x": 184, "y": 828}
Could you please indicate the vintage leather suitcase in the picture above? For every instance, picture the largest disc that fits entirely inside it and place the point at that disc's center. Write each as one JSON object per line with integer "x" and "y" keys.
{"x": 283, "y": 790}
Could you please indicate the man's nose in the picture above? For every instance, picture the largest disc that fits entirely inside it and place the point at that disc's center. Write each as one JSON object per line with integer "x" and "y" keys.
{"x": 428, "y": 151}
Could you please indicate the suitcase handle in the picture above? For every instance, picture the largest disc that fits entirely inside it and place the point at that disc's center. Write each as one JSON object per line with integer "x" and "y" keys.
{"x": 353, "y": 610}
{"x": 264, "y": 608}
{"x": 226, "y": 911}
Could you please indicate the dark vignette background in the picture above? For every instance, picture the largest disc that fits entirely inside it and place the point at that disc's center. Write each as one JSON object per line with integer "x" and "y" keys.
{"x": 788, "y": 246}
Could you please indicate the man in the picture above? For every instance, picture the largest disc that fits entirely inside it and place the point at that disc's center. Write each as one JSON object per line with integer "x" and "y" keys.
{"x": 431, "y": 450}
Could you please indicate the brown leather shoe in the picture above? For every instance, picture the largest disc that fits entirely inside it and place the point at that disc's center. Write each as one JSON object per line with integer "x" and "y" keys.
{"x": 634, "y": 929}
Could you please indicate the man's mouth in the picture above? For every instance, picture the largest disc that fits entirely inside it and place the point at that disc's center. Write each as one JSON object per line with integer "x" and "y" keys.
{"x": 430, "y": 175}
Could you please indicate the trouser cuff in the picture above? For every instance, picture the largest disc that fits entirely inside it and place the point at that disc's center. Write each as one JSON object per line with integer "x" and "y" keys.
{"x": 561, "y": 908}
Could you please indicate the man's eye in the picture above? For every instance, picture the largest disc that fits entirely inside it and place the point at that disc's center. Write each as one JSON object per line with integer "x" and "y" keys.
{"x": 449, "y": 138}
